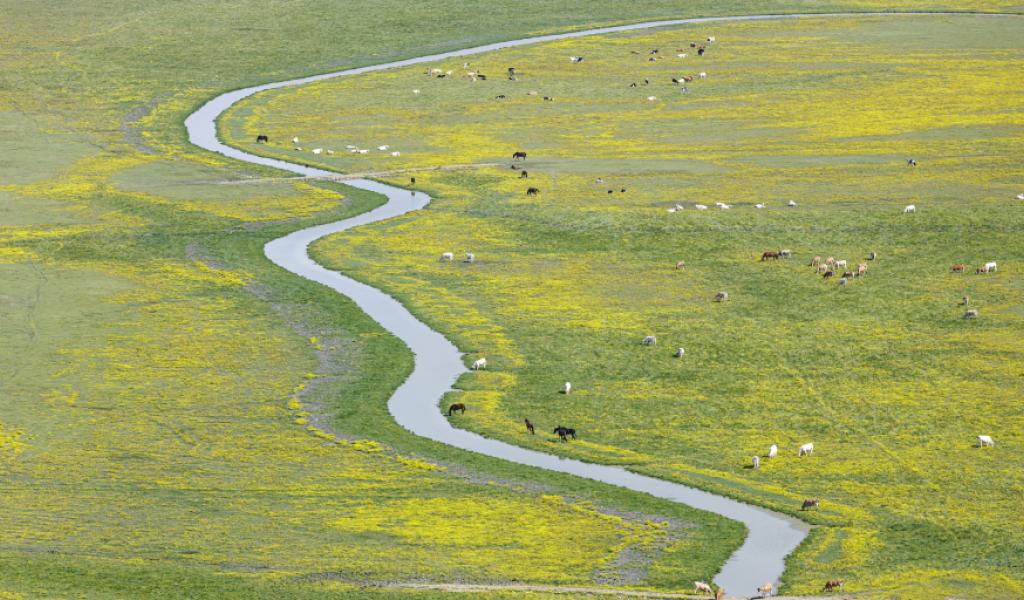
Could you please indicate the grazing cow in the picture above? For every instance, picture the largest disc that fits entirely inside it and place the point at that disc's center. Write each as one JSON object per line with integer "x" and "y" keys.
{"x": 958, "y": 268}
{"x": 843, "y": 281}
{"x": 524, "y": 175}
{"x": 1020, "y": 196}
{"x": 567, "y": 388}
{"x": 990, "y": 267}
{"x": 529, "y": 427}
{"x": 910, "y": 208}
{"x": 649, "y": 340}
{"x": 756, "y": 462}
{"x": 965, "y": 301}
{"x": 447, "y": 256}
{"x": 563, "y": 432}
{"x": 687, "y": 78}
{"x": 833, "y": 584}
{"x": 480, "y": 364}
{"x": 791, "y": 204}
{"x": 532, "y": 191}
{"x": 773, "y": 451}
{"x": 549, "y": 98}
{"x": 519, "y": 155}
{"x": 469, "y": 257}
{"x": 722, "y": 297}
{"x": 765, "y": 590}
{"x": 861, "y": 269}
{"x": 680, "y": 353}
{"x": 810, "y": 503}
{"x": 575, "y": 59}
{"x": 815, "y": 261}
{"x": 702, "y": 587}
{"x": 840, "y": 264}
{"x": 985, "y": 440}
{"x": 828, "y": 273}
{"x": 415, "y": 91}
{"x": 711, "y": 39}
{"x": 700, "y": 51}
{"x": 848, "y": 274}
{"x": 458, "y": 406}
{"x": 971, "y": 314}
{"x": 769, "y": 254}
{"x": 262, "y": 139}
{"x": 785, "y": 253}
{"x": 330, "y": 152}
{"x": 680, "y": 264}
{"x": 806, "y": 450}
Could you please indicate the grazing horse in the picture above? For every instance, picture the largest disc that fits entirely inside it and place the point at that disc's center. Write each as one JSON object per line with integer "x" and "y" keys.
{"x": 958, "y": 268}
{"x": 833, "y": 584}
{"x": 815, "y": 261}
{"x": 720, "y": 593}
{"x": 965, "y": 301}
{"x": 700, "y": 586}
{"x": 765, "y": 590}
{"x": 532, "y": 191}
{"x": 529, "y": 426}
{"x": 412, "y": 181}
{"x": 829, "y": 273}
{"x": 520, "y": 155}
{"x": 524, "y": 174}
{"x": 680, "y": 264}
{"x": 811, "y": 503}
{"x": 262, "y": 139}
{"x": 457, "y": 406}
{"x": 563, "y": 432}
{"x": 769, "y": 254}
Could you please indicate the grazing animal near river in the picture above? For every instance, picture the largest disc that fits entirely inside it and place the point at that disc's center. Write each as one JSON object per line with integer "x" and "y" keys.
{"x": 806, "y": 450}
{"x": 811, "y": 503}
{"x": 564, "y": 432}
{"x": 985, "y": 440}
{"x": 529, "y": 427}
{"x": 520, "y": 155}
{"x": 720, "y": 592}
{"x": 447, "y": 256}
{"x": 262, "y": 139}
{"x": 702, "y": 587}
{"x": 833, "y": 584}
{"x": 480, "y": 363}
{"x": 773, "y": 451}
{"x": 765, "y": 590}
{"x": 769, "y": 254}
{"x": 649, "y": 340}
{"x": 458, "y": 406}
{"x": 722, "y": 297}
{"x": 532, "y": 191}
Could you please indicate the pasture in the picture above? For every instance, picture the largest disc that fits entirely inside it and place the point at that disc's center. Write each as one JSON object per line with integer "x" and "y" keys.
{"x": 883, "y": 374}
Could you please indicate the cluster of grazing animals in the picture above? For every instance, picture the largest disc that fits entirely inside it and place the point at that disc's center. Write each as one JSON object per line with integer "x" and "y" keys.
{"x": 791, "y": 204}
{"x": 773, "y": 451}
{"x": 702, "y": 587}
{"x": 971, "y": 314}
{"x": 722, "y": 297}
{"x": 575, "y": 59}
{"x": 529, "y": 427}
{"x": 756, "y": 461}
{"x": 769, "y": 254}
{"x": 649, "y": 340}
{"x": 910, "y": 208}
{"x": 479, "y": 364}
{"x": 458, "y": 406}
{"x": 532, "y": 191}
{"x": 447, "y": 256}
{"x": 811, "y": 503}
{"x": 469, "y": 257}
{"x": 262, "y": 139}
{"x": 680, "y": 264}
{"x": 519, "y": 155}
{"x": 806, "y": 450}
{"x": 958, "y": 268}
{"x": 567, "y": 388}
{"x": 765, "y": 590}
{"x": 565, "y": 431}
{"x": 680, "y": 353}
{"x": 833, "y": 584}
{"x": 985, "y": 440}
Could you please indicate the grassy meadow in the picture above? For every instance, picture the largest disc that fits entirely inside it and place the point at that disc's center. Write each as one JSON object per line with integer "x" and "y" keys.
{"x": 883, "y": 375}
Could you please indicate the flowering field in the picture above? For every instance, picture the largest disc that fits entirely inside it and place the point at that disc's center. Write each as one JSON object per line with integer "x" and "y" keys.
{"x": 884, "y": 375}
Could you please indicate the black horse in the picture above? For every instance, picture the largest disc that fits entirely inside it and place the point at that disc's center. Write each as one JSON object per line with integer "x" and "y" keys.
{"x": 519, "y": 155}
{"x": 532, "y": 191}
{"x": 563, "y": 432}
{"x": 262, "y": 139}
{"x": 524, "y": 174}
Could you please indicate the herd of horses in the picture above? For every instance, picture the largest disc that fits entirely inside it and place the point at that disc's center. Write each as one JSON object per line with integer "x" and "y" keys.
{"x": 563, "y": 433}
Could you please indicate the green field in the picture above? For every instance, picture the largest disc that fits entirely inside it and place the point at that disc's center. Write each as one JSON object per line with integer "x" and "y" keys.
{"x": 883, "y": 375}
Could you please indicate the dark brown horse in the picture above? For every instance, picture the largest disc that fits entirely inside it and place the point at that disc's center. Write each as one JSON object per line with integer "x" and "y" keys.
{"x": 532, "y": 191}
{"x": 529, "y": 426}
{"x": 769, "y": 254}
{"x": 455, "y": 407}
{"x": 833, "y": 584}
{"x": 524, "y": 174}
{"x": 262, "y": 139}
{"x": 520, "y": 155}
{"x": 563, "y": 432}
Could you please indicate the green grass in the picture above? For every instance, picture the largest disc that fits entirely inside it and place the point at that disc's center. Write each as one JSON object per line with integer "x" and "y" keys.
{"x": 884, "y": 375}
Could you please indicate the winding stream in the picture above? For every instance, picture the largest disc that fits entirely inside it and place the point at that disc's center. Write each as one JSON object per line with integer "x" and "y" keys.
{"x": 438, "y": 363}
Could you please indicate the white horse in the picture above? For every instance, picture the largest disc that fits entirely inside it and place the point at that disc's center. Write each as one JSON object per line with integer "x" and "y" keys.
{"x": 806, "y": 450}
{"x": 480, "y": 363}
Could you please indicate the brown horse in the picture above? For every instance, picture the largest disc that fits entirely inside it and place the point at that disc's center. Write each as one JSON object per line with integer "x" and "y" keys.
{"x": 958, "y": 268}
{"x": 563, "y": 432}
{"x": 769, "y": 254}
{"x": 529, "y": 426}
{"x": 811, "y": 503}
{"x": 518, "y": 156}
{"x": 833, "y": 584}
{"x": 457, "y": 406}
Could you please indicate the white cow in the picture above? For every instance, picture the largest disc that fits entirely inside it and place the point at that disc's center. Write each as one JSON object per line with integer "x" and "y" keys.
{"x": 317, "y": 150}
{"x": 680, "y": 353}
{"x": 806, "y": 449}
{"x": 480, "y": 363}
{"x": 567, "y": 389}
{"x": 990, "y": 267}
{"x": 725, "y": 206}
{"x": 841, "y": 264}
{"x": 364, "y": 151}
{"x": 447, "y": 256}
{"x": 649, "y": 340}
{"x": 711, "y": 39}
{"x": 909, "y": 209}
{"x": 759, "y": 206}
{"x": 773, "y": 451}
{"x": 756, "y": 461}
{"x": 702, "y": 75}
{"x": 985, "y": 440}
